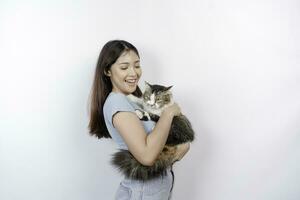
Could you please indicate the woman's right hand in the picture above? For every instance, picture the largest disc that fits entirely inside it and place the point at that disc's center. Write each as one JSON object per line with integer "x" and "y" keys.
{"x": 174, "y": 109}
{"x": 181, "y": 150}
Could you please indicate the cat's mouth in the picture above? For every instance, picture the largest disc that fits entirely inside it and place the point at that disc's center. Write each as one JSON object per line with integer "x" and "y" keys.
{"x": 153, "y": 106}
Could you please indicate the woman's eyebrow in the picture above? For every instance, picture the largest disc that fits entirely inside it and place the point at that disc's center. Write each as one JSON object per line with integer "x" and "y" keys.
{"x": 128, "y": 62}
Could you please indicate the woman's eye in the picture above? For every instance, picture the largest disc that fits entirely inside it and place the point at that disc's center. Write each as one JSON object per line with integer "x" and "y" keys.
{"x": 137, "y": 66}
{"x": 124, "y": 68}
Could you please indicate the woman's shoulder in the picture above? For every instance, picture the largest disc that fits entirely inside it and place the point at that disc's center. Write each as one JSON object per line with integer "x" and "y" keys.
{"x": 117, "y": 101}
{"x": 115, "y": 97}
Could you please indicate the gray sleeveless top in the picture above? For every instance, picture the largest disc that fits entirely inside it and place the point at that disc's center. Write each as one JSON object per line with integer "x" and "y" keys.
{"x": 118, "y": 102}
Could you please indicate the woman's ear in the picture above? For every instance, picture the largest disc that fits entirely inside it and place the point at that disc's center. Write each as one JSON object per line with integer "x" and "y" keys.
{"x": 107, "y": 73}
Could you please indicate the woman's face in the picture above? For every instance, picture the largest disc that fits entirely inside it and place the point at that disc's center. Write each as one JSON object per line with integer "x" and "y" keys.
{"x": 125, "y": 73}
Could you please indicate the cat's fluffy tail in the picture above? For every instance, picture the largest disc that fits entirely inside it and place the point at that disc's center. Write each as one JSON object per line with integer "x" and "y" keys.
{"x": 124, "y": 161}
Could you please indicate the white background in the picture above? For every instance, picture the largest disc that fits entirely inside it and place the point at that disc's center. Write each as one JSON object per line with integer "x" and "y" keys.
{"x": 235, "y": 67}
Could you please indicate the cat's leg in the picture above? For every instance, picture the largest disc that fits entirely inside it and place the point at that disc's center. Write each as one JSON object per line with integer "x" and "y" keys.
{"x": 153, "y": 117}
{"x": 147, "y": 115}
{"x": 181, "y": 131}
{"x": 142, "y": 115}
{"x": 139, "y": 113}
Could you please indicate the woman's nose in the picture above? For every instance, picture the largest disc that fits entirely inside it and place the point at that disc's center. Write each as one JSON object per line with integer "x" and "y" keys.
{"x": 132, "y": 71}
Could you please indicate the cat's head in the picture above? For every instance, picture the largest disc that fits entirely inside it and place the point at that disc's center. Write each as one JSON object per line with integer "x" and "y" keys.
{"x": 156, "y": 96}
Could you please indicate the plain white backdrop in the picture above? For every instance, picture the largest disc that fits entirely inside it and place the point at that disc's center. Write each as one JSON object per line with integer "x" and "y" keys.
{"x": 235, "y": 67}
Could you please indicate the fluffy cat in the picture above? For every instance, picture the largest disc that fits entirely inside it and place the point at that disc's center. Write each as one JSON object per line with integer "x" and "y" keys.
{"x": 154, "y": 99}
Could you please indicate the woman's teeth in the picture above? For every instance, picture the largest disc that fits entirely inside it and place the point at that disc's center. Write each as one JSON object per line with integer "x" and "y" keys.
{"x": 130, "y": 81}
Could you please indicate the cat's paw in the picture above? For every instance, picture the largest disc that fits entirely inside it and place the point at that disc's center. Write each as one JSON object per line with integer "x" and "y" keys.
{"x": 147, "y": 115}
{"x": 139, "y": 113}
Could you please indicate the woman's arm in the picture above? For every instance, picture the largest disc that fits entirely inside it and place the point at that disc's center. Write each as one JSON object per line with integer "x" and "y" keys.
{"x": 145, "y": 148}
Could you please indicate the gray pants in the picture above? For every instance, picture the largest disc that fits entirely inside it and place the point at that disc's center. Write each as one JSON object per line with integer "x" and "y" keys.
{"x": 156, "y": 189}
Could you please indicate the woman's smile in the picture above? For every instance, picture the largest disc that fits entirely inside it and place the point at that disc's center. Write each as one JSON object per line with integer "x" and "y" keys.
{"x": 131, "y": 82}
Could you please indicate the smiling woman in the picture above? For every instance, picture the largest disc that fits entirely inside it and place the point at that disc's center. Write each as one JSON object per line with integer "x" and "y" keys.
{"x": 113, "y": 116}
{"x": 125, "y": 72}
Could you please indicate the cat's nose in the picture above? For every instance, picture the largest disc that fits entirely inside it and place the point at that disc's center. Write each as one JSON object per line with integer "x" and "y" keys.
{"x": 150, "y": 103}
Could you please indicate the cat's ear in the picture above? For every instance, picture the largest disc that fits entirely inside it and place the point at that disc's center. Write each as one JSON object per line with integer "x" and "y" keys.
{"x": 147, "y": 84}
{"x": 168, "y": 88}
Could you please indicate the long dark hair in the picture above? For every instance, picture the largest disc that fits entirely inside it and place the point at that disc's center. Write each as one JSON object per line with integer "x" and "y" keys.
{"x": 102, "y": 85}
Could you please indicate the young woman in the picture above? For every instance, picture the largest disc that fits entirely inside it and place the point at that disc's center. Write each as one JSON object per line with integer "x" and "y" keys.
{"x": 112, "y": 115}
